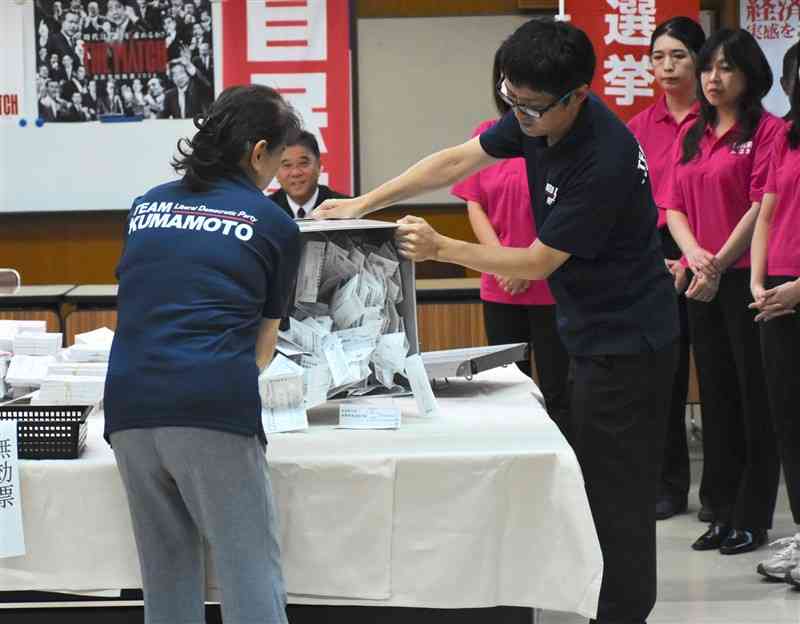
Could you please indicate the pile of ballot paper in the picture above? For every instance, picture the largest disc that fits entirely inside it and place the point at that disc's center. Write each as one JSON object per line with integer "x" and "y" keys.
{"x": 33, "y": 363}
{"x": 345, "y": 320}
{"x": 28, "y": 350}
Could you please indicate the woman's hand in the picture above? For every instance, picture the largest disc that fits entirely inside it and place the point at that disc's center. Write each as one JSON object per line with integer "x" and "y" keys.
{"x": 340, "y": 209}
{"x": 778, "y": 301}
{"x": 513, "y": 285}
{"x": 702, "y": 261}
{"x": 703, "y": 288}
{"x": 679, "y": 275}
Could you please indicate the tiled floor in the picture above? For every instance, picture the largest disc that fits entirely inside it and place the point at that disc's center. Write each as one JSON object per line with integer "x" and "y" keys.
{"x": 709, "y": 588}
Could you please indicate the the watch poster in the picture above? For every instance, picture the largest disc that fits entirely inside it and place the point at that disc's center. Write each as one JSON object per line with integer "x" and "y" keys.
{"x": 130, "y": 58}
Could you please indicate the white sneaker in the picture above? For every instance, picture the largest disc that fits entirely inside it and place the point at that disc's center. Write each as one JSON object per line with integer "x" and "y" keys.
{"x": 784, "y": 562}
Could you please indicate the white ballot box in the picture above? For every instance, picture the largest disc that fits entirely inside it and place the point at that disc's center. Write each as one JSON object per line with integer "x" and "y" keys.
{"x": 352, "y": 322}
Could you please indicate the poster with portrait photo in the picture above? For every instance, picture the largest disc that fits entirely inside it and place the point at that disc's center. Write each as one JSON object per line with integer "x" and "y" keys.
{"x": 150, "y": 58}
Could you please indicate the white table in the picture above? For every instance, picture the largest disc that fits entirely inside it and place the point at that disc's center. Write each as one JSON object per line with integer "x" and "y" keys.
{"x": 481, "y": 506}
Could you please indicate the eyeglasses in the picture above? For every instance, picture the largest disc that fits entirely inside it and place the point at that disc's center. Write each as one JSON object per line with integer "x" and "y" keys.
{"x": 528, "y": 111}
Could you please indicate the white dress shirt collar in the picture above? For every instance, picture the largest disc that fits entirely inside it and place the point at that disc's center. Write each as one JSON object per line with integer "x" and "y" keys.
{"x": 307, "y": 207}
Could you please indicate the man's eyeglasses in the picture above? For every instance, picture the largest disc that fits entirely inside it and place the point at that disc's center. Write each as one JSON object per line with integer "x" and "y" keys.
{"x": 528, "y": 111}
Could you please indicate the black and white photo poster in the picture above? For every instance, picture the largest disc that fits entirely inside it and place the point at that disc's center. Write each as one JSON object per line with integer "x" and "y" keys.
{"x": 148, "y": 58}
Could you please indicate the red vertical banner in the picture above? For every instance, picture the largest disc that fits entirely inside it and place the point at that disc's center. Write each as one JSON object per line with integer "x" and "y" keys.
{"x": 620, "y": 31}
{"x": 302, "y": 49}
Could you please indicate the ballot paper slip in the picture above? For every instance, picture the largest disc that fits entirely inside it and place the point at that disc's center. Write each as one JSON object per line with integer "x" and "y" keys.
{"x": 12, "y": 538}
{"x": 369, "y": 417}
{"x": 280, "y": 386}
{"x": 421, "y": 387}
{"x": 4, "y": 359}
{"x": 284, "y": 420}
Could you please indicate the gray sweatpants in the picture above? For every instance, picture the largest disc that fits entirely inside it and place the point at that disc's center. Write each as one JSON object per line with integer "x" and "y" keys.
{"x": 190, "y": 486}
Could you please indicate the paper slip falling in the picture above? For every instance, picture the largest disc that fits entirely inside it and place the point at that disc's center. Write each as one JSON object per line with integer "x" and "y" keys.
{"x": 366, "y": 417}
{"x": 421, "y": 386}
{"x": 282, "y": 420}
{"x": 12, "y": 538}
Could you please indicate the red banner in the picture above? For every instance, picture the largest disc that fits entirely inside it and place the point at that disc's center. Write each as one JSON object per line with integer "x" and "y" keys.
{"x": 302, "y": 49}
{"x": 620, "y": 31}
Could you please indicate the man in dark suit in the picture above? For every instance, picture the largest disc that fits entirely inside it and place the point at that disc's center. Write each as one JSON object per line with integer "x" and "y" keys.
{"x": 51, "y": 103}
{"x": 66, "y": 41}
{"x": 204, "y": 62}
{"x": 192, "y": 93}
{"x": 75, "y": 110}
{"x": 298, "y": 176}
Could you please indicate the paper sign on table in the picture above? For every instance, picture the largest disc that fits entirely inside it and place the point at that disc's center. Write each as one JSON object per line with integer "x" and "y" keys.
{"x": 12, "y": 539}
{"x": 369, "y": 417}
{"x": 421, "y": 386}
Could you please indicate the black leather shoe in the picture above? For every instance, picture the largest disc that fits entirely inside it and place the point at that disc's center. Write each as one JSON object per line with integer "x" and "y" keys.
{"x": 705, "y": 514}
{"x": 742, "y": 541}
{"x": 667, "y": 507}
{"x": 713, "y": 537}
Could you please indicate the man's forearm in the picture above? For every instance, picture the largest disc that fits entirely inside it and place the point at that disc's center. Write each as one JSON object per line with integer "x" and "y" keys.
{"x": 519, "y": 262}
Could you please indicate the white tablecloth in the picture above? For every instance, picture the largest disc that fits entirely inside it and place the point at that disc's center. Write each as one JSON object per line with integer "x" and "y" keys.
{"x": 482, "y": 506}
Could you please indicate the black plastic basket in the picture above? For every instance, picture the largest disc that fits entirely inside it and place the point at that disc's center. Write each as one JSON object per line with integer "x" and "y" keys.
{"x": 48, "y": 431}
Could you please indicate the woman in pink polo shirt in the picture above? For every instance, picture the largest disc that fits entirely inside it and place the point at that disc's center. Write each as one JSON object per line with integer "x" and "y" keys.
{"x": 712, "y": 198}
{"x": 673, "y": 49}
{"x": 775, "y": 285}
{"x": 516, "y": 310}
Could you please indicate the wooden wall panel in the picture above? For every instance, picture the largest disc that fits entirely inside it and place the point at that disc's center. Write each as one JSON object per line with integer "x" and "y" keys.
{"x": 450, "y": 325}
{"x": 81, "y": 248}
{"x": 82, "y": 321}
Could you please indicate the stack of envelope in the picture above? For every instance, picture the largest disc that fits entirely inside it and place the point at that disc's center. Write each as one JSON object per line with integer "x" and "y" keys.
{"x": 86, "y": 369}
{"x": 9, "y": 329}
{"x": 29, "y": 343}
{"x": 70, "y": 390}
{"x": 93, "y": 346}
{"x": 28, "y": 371}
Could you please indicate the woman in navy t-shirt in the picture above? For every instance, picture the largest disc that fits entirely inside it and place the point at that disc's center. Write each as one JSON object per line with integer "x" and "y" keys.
{"x": 205, "y": 277}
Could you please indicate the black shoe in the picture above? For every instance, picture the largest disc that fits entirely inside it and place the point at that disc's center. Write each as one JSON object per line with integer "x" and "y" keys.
{"x": 713, "y": 537}
{"x": 667, "y": 507}
{"x": 742, "y": 541}
{"x": 705, "y": 514}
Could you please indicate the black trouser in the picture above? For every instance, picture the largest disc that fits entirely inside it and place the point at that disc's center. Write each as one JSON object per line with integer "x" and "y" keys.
{"x": 740, "y": 459}
{"x": 675, "y": 473}
{"x": 536, "y": 325}
{"x": 619, "y": 409}
{"x": 780, "y": 347}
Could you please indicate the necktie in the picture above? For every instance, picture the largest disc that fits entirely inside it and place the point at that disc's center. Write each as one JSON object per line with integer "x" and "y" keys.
{"x": 301, "y": 213}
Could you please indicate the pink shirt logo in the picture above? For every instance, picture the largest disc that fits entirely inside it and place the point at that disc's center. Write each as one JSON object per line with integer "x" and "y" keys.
{"x": 742, "y": 149}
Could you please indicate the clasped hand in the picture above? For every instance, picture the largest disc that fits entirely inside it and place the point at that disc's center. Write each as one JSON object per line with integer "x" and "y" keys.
{"x": 775, "y": 302}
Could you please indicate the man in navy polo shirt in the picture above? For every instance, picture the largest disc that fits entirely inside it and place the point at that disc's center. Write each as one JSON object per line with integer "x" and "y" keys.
{"x": 599, "y": 249}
